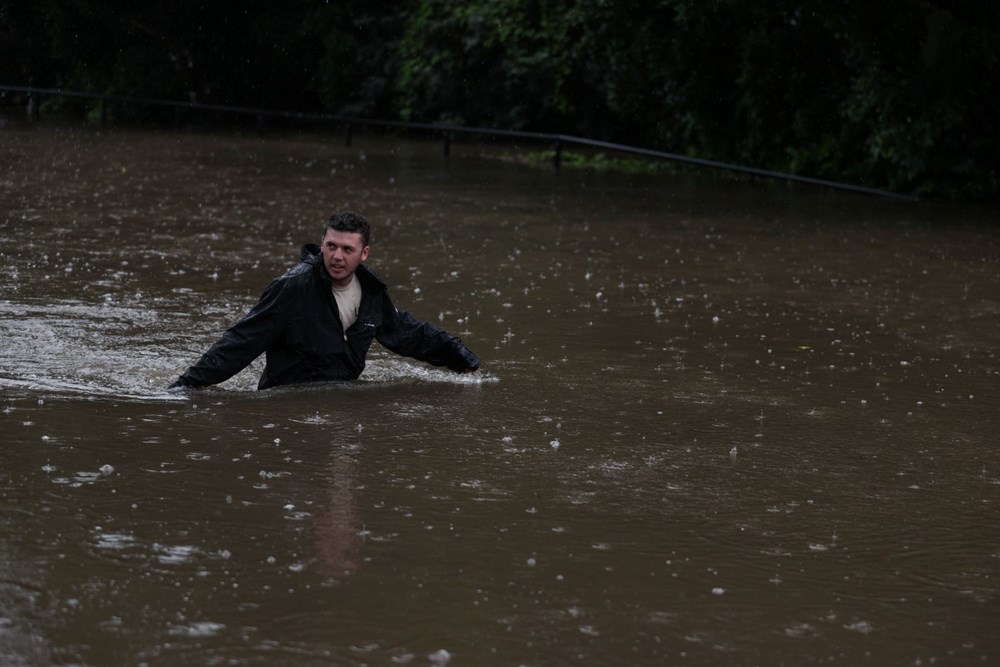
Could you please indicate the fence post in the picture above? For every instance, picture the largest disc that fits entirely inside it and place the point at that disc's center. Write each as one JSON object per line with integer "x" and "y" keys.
{"x": 32, "y": 107}
{"x": 557, "y": 159}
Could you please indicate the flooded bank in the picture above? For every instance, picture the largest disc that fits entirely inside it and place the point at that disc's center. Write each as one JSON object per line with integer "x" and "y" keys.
{"x": 718, "y": 421}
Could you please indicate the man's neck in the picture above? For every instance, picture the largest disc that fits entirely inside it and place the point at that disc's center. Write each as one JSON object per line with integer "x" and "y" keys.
{"x": 344, "y": 283}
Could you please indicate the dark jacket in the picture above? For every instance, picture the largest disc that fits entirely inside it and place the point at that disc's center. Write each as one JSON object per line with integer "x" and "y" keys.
{"x": 297, "y": 326}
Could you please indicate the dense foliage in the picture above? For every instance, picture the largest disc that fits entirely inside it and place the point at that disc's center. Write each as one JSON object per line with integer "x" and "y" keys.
{"x": 898, "y": 94}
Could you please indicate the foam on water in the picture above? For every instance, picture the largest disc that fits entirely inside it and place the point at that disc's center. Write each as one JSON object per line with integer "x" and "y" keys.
{"x": 385, "y": 369}
{"x": 71, "y": 348}
{"x": 80, "y": 349}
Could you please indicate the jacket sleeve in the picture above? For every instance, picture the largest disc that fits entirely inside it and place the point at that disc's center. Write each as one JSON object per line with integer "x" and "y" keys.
{"x": 241, "y": 343}
{"x": 404, "y": 334}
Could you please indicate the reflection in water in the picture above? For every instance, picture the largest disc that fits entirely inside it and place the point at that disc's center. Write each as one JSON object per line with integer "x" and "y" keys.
{"x": 717, "y": 422}
{"x": 339, "y": 532}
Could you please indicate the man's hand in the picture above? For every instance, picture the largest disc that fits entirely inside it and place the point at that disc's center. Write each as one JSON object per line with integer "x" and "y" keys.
{"x": 181, "y": 387}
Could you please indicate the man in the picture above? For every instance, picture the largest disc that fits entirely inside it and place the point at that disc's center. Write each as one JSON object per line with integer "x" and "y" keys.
{"x": 316, "y": 322}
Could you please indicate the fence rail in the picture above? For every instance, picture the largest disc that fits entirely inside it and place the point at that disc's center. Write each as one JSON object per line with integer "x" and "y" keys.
{"x": 447, "y": 132}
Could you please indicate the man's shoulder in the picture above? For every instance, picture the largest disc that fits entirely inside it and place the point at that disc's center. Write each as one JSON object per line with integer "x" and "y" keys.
{"x": 298, "y": 277}
{"x": 308, "y": 261}
{"x": 300, "y": 274}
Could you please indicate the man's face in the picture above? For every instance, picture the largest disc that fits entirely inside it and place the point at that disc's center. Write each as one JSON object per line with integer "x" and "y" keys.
{"x": 342, "y": 253}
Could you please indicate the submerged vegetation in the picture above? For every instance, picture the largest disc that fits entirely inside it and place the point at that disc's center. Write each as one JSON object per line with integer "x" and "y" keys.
{"x": 899, "y": 95}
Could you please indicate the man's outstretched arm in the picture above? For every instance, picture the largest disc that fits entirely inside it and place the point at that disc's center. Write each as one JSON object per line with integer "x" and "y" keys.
{"x": 406, "y": 335}
{"x": 239, "y": 345}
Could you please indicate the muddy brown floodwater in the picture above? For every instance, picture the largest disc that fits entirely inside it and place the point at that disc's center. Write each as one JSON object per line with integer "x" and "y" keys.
{"x": 718, "y": 421}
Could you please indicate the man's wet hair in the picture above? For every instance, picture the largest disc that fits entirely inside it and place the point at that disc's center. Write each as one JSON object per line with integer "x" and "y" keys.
{"x": 350, "y": 222}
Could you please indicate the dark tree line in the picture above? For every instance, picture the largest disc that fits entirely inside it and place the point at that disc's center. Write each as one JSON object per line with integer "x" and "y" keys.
{"x": 897, "y": 94}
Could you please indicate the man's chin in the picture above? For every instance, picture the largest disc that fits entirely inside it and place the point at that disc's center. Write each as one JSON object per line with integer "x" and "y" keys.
{"x": 338, "y": 275}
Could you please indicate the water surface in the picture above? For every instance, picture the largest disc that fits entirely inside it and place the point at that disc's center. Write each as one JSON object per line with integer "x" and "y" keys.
{"x": 718, "y": 421}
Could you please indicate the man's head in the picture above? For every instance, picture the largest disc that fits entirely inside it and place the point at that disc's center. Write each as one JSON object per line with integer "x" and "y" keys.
{"x": 350, "y": 222}
{"x": 345, "y": 246}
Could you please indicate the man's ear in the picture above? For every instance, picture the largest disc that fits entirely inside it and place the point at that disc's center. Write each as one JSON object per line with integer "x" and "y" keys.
{"x": 364, "y": 253}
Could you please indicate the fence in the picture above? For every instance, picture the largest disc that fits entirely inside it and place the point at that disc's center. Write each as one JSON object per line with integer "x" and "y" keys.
{"x": 447, "y": 133}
